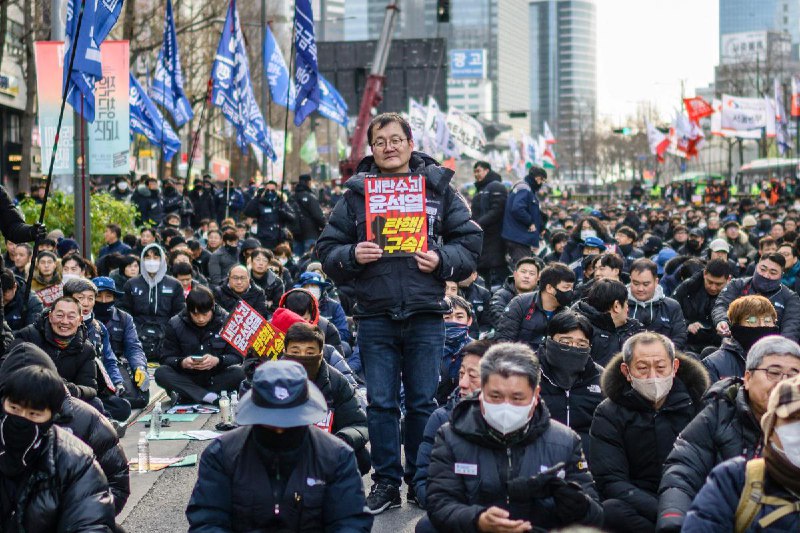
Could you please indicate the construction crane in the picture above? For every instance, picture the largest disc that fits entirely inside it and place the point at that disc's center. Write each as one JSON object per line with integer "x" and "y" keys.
{"x": 373, "y": 93}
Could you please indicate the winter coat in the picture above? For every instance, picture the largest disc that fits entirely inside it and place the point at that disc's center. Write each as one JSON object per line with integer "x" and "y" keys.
{"x": 272, "y": 286}
{"x": 661, "y": 315}
{"x": 117, "y": 247}
{"x": 396, "y": 286}
{"x": 334, "y": 358}
{"x": 98, "y": 336}
{"x": 311, "y": 220}
{"x": 500, "y": 300}
{"x": 480, "y": 298}
{"x": 271, "y": 214}
{"x": 696, "y": 305}
{"x": 631, "y": 440}
{"x": 228, "y": 299}
{"x": 714, "y": 508}
{"x": 786, "y": 302}
{"x": 349, "y": 419}
{"x": 13, "y": 309}
{"x": 522, "y": 210}
{"x": 725, "y": 428}
{"x": 234, "y": 491}
{"x": 65, "y": 491}
{"x": 334, "y": 313}
{"x": 741, "y": 247}
{"x": 455, "y": 500}
{"x": 220, "y": 264}
{"x": 524, "y": 320}
{"x": 629, "y": 255}
{"x": 182, "y": 339}
{"x": 201, "y": 263}
{"x": 728, "y": 361}
{"x": 205, "y": 207}
{"x": 488, "y": 208}
{"x": 124, "y": 340}
{"x": 607, "y": 339}
{"x": 437, "y": 419}
{"x": 150, "y": 206}
{"x": 230, "y": 198}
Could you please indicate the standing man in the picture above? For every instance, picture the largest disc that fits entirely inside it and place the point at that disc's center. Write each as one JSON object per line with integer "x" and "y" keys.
{"x": 311, "y": 220}
{"x": 399, "y": 301}
{"x": 268, "y": 215}
{"x": 112, "y": 236}
{"x": 488, "y": 206}
{"x": 522, "y": 220}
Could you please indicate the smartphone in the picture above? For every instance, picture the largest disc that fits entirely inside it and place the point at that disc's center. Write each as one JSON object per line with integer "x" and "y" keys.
{"x": 197, "y": 357}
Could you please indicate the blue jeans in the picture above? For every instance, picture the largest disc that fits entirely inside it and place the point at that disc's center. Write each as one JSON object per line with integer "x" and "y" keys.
{"x": 392, "y": 350}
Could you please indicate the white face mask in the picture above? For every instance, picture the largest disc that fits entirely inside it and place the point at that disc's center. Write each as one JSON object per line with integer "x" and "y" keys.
{"x": 151, "y": 266}
{"x": 586, "y": 233}
{"x": 505, "y": 417}
{"x": 790, "y": 440}
{"x": 67, "y": 277}
{"x": 653, "y": 389}
{"x": 315, "y": 290}
{"x": 86, "y": 317}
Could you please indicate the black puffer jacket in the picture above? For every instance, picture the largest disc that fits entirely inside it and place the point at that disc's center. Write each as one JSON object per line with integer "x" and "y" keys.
{"x": 488, "y": 206}
{"x": 785, "y": 300}
{"x": 311, "y": 220}
{"x": 182, "y": 339}
{"x": 660, "y": 314}
{"x": 396, "y": 286}
{"x": 272, "y": 286}
{"x": 607, "y": 339}
{"x": 725, "y": 428}
{"x": 228, "y": 299}
{"x": 13, "y": 309}
{"x": 480, "y": 298}
{"x": 696, "y": 305}
{"x": 728, "y": 361}
{"x": 220, "y": 264}
{"x": 66, "y": 491}
{"x": 524, "y": 320}
{"x": 455, "y": 500}
{"x": 500, "y": 300}
{"x": 631, "y": 440}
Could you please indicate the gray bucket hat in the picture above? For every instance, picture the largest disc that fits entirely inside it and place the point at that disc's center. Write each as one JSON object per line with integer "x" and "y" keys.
{"x": 282, "y": 396}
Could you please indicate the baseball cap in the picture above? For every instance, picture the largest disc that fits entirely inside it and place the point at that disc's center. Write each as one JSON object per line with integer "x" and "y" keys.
{"x": 594, "y": 242}
{"x": 104, "y": 283}
{"x": 719, "y": 245}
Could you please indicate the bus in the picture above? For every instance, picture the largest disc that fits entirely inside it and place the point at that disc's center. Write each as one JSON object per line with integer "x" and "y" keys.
{"x": 761, "y": 170}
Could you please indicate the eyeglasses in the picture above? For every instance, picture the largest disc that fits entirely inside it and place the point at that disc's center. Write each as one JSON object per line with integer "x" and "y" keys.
{"x": 573, "y": 343}
{"x": 776, "y": 374}
{"x": 753, "y": 320}
{"x": 394, "y": 142}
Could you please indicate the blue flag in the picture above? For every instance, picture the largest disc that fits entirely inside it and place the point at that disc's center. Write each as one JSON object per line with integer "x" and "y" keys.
{"x": 306, "y": 72}
{"x": 167, "y": 87}
{"x": 99, "y": 16}
{"x": 147, "y": 120}
{"x": 331, "y": 103}
{"x": 233, "y": 92}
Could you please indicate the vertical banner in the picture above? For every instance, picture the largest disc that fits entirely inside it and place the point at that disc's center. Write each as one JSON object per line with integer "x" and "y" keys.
{"x": 109, "y": 134}
{"x": 396, "y": 219}
{"x": 49, "y": 74}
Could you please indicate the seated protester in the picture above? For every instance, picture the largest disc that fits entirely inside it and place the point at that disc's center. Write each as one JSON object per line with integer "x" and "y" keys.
{"x": 727, "y": 427}
{"x": 183, "y": 273}
{"x": 648, "y": 305}
{"x": 13, "y": 295}
{"x": 127, "y": 267}
{"x": 457, "y": 321}
{"x": 46, "y": 273}
{"x": 224, "y": 258}
{"x": 125, "y": 343}
{"x": 75, "y": 266}
{"x": 526, "y": 317}
{"x": 200, "y": 256}
{"x": 570, "y": 379}
{"x": 695, "y": 244}
{"x": 283, "y": 254}
{"x": 61, "y": 335}
{"x": 49, "y": 480}
{"x": 152, "y": 298}
{"x": 651, "y": 394}
{"x": 524, "y": 279}
{"x": 264, "y": 278}
{"x": 21, "y": 260}
{"x": 196, "y": 363}
{"x": 741, "y": 249}
{"x": 80, "y": 419}
{"x": 606, "y": 308}
{"x": 279, "y": 454}
{"x": 558, "y": 241}
{"x": 489, "y": 466}
{"x": 586, "y": 227}
{"x": 766, "y": 281}
{"x": 469, "y": 380}
{"x": 237, "y": 287}
{"x": 479, "y": 297}
{"x": 48, "y": 244}
{"x": 304, "y": 344}
{"x": 110, "y": 385}
{"x": 590, "y": 247}
{"x": 605, "y": 266}
{"x": 184, "y": 257}
{"x": 329, "y": 308}
{"x": 766, "y": 245}
{"x": 697, "y": 296}
{"x": 752, "y": 318}
{"x": 304, "y": 303}
{"x": 760, "y": 494}
{"x": 790, "y": 276}
{"x": 626, "y": 237}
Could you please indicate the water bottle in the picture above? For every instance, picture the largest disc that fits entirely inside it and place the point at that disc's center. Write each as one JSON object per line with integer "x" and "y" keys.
{"x": 224, "y": 407}
{"x": 234, "y": 406}
{"x": 155, "y": 420}
{"x": 144, "y": 453}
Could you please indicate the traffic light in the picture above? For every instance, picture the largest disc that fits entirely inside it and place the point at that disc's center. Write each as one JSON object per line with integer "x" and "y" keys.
{"x": 442, "y": 11}
{"x": 623, "y": 131}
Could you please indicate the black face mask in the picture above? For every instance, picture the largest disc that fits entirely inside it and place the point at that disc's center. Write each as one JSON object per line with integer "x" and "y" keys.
{"x": 310, "y": 363}
{"x": 564, "y": 298}
{"x": 566, "y": 362}
{"x": 764, "y": 285}
{"x": 102, "y": 311}
{"x": 231, "y": 249}
{"x": 693, "y": 245}
{"x": 20, "y": 443}
{"x": 747, "y": 337}
{"x": 290, "y": 439}
{"x": 169, "y": 190}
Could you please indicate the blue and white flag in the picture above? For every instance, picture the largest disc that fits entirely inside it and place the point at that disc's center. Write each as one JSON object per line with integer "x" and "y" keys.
{"x": 331, "y": 103}
{"x": 147, "y": 120}
{"x": 99, "y": 16}
{"x": 167, "y": 87}
{"x": 306, "y": 74}
{"x": 233, "y": 92}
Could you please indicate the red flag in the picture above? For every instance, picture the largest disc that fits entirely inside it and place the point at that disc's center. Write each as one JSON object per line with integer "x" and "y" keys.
{"x": 795, "y": 96}
{"x": 697, "y": 108}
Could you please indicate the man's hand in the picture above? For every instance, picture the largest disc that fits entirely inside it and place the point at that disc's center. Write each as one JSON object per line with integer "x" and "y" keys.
{"x": 367, "y": 252}
{"x": 427, "y": 261}
{"x": 723, "y": 329}
{"x": 188, "y": 363}
{"x": 208, "y": 362}
{"x": 532, "y": 228}
{"x": 495, "y": 520}
{"x": 694, "y": 327}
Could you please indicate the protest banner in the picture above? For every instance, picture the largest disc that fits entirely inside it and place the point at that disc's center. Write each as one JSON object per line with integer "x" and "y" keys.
{"x": 49, "y": 73}
{"x": 396, "y": 219}
{"x": 50, "y": 294}
{"x": 109, "y": 134}
{"x": 246, "y": 330}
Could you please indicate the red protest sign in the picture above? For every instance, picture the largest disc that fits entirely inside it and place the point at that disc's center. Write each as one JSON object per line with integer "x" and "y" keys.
{"x": 246, "y": 329}
{"x": 327, "y": 422}
{"x": 396, "y": 219}
{"x": 697, "y": 108}
{"x": 50, "y": 294}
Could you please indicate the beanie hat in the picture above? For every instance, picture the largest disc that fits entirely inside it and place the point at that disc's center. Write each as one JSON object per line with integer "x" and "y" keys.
{"x": 65, "y": 246}
{"x": 284, "y": 318}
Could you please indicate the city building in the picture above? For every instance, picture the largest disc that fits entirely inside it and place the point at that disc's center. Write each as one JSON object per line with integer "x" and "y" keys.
{"x": 743, "y": 16}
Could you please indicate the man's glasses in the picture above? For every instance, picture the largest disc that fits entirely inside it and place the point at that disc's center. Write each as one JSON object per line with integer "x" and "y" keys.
{"x": 776, "y": 374}
{"x": 394, "y": 142}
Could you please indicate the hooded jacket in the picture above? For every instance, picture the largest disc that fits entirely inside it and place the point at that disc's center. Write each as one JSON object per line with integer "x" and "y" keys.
{"x": 332, "y": 336}
{"x": 524, "y": 320}
{"x": 631, "y": 440}
{"x": 522, "y": 210}
{"x": 725, "y": 428}
{"x": 152, "y": 301}
{"x": 456, "y": 500}
{"x": 124, "y": 341}
{"x": 696, "y": 305}
{"x": 149, "y": 204}
{"x": 488, "y": 208}
{"x": 228, "y": 299}
{"x": 728, "y": 361}
{"x": 396, "y": 286}
{"x": 500, "y": 300}
{"x": 183, "y": 338}
{"x": 785, "y": 301}
{"x": 607, "y": 339}
{"x": 661, "y": 315}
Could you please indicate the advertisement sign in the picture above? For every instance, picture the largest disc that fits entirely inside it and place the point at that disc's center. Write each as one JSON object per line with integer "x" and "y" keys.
{"x": 468, "y": 63}
{"x": 745, "y": 46}
{"x": 396, "y": 219}
{"x": 246, "y": 330}
{"x": 49, "y": 74}
{"x": 109, "y": 134}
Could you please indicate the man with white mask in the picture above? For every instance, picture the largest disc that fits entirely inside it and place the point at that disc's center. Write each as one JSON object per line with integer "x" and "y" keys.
{"x": 502, "y": 464}
{"x": 652, "y": 393}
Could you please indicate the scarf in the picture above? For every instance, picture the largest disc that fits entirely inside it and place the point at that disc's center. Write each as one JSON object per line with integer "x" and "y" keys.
{"x": 781, "y": 469}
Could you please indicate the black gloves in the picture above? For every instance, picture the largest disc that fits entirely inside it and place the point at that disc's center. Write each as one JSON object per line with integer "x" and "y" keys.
{"x": 571, "y": 502}
{"x": 525, "y": 489}
{"x": 73, "y": 389}
{"x": 39, "y": 232}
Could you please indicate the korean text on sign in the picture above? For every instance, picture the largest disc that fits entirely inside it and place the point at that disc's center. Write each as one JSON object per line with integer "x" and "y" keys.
{"x": 242, "y": 327}
{"x": 396, "y": 218}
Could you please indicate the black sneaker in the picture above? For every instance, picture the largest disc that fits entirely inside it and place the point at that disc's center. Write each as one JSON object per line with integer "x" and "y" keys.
{"x": 382, "y": 497}
{"x": 411, "y": 495}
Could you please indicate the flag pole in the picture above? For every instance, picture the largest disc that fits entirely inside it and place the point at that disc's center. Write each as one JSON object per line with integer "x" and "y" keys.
{"x": 49, "y": 180}
{"x": 197, "y": 134}
{"x": 292, "y": 51}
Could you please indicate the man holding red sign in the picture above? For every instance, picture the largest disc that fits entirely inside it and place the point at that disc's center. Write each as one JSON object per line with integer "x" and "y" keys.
{"x": 398, "y": 267}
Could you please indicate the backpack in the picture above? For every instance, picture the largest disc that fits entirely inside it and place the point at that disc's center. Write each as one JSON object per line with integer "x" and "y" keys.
{"x": 753, "y": 498}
